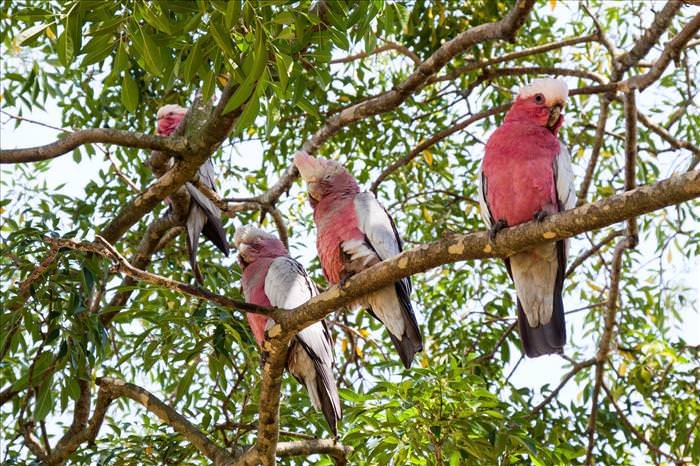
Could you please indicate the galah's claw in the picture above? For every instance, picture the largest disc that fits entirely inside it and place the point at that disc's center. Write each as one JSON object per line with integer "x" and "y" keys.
{"x": 540, "y": 215}
{"x": 496, "y": 227}
{"x": 344, "y": 277}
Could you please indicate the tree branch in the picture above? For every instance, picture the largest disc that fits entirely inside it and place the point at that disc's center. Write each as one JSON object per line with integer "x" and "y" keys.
{"x": 457, "y": 247}
{"x": 387, "y": 46}
{"x": 595, "y": 151}
{"x": 512, "y": 56}
{"x": 633, "y": 430}
{"x": 671, "y": 51}
{"x": 118, "y": 388}
{"x": 649, "y": 38}
{"x": 123, "y": 265}
{"x": 406, "y": 159}
{"x": 578, "y": 367}
{"x": 91, "y": 136}
{"x": 604, "y": 345}
{"x": 597, "y": 247}
{"x": 631, "y": 160}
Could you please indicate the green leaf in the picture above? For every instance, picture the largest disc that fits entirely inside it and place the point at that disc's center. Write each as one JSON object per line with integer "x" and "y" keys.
{"x": 130, "y": 93}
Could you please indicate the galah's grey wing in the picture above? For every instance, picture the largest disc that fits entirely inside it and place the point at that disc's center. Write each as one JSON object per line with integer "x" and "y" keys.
{"x": 213, "y": 229}
{"x": 311, "y": 353}
{"x": 483, "y": 203}
{"x": 564, "y": 177}
{"x": 392, "y": 306}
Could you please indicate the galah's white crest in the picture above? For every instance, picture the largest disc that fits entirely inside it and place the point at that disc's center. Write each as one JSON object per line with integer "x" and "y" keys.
{"x": 355, "y": 232}
{"x": 204, "y": 216}
{"x": 527, "y": 174}
{"x": 272, "y": 278}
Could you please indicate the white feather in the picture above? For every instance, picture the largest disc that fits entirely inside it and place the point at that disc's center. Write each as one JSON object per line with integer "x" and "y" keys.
{"x": 564, "y": 174}
{"x": 483, "y": 204}
{"x": 553, "y": 90}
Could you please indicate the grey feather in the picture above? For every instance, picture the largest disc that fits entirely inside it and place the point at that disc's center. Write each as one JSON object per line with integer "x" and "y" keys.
{"x": 287, "y": 286}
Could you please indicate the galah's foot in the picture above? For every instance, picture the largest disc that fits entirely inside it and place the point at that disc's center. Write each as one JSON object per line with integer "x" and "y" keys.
{"x": 344, "y": 277}
{"x": 496, "y": 227}
{"x": 540, "y": 215}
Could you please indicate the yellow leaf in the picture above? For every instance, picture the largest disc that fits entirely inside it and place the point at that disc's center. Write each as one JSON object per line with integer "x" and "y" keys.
{"x": 358, "y": 351}
{"x": 223, "y": 79}
{"x": 594, "y": 286}
{"x": 344, "y": 98}
{"x": 344, "y": 345}
{"x": 251, "y": 131}
{"x": 16, "y": 48}
{"x": 251, "y": 179}
{"x": 552, "y": 3}
{"x": 50, "y": 33}
{"x": 428, "y": 156}
{"x": 426, "y": 215}
{"x": 669, "y": 255}
{"x": 2, "y": 210}
{"x": 424, "y": 361}
{"x": 606, "y": 154}
{"x": 364, "y": 333}
{"x": 623, "y": 369}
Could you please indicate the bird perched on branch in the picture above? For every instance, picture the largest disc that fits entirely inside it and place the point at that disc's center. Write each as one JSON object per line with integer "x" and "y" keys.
{"x": 526, "y": 175}
{"x": 272, "y": 278}
{"x": 355, "y": 232}
{"x": 203, "y": 216}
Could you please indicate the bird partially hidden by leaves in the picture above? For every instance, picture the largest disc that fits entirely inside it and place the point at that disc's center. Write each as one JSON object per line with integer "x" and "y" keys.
{"x": 204, "y": 217}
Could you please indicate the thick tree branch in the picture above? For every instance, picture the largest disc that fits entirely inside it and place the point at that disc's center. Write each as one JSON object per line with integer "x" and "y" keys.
{"x": 503, "y": 29}
{"x": 118, "y": 388}
{"x": 92, "y": 136}
{"x": 457, "y": 247}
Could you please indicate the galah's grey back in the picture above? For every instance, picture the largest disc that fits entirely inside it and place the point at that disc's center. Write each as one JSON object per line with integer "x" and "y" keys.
{"x": 392, "y": 305}
{"x": 310, "y": 360}
{"x": 204, "y": 217}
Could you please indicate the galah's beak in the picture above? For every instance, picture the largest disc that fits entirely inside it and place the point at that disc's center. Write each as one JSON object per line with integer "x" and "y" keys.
{"x": 243, "y": 250}
{"x": 554, "y": 116}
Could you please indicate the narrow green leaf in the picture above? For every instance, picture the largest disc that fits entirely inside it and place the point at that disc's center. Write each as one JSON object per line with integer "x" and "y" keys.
{"x": 130, "y": 93}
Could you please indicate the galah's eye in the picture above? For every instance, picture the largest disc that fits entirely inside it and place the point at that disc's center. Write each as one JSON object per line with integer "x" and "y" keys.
{"x": 539, "y": 99}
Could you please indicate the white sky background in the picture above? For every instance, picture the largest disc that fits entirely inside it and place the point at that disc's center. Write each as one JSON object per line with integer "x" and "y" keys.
{"x": 531, "y": 372}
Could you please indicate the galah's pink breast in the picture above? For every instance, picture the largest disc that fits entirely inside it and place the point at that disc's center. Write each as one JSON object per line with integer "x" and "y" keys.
{"x": 518, "y": 167}
{"x": 336, "y": 222}
{"x": 253, "y": 283}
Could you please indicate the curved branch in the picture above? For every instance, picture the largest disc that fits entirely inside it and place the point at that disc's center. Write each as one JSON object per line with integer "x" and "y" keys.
{"x": 91, "y": 136}
{"x": 118, "y": 388}
{"x": 123, "y": 265}
{"x": 387, "y": 46}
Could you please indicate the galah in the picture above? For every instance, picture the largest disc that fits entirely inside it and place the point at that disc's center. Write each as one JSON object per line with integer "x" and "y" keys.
{"x": 527, "y": 174}
{"x": 204, "y": 216}
{"x": 272, "y": 278}
{"x": 355, "y": 232}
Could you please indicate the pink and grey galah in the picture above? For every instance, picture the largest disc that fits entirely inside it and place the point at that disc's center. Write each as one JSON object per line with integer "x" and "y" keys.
{"x": 527, "y": 174}
{"x": 355, "y": 232}
{"x": 272, "y": 278}
{"x": 204, "y": 216}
